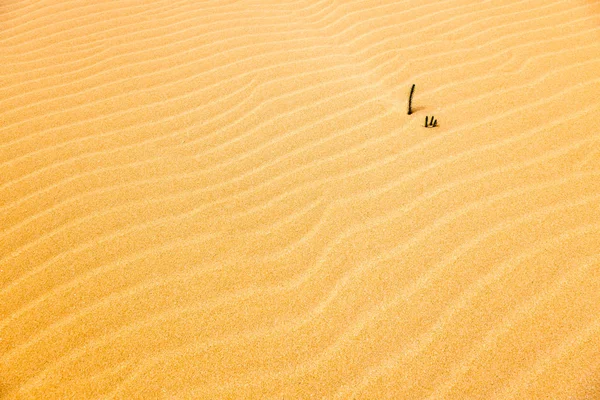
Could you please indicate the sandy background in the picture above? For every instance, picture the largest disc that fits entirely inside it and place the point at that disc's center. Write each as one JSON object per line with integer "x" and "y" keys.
{"x": 228, "y": 200}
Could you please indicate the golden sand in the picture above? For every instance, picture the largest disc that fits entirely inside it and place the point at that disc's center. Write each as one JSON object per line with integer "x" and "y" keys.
{"x": 228, "y": 200}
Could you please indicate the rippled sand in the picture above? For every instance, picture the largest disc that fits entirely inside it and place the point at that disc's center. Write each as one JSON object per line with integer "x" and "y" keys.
{"x": 228, "y": 200}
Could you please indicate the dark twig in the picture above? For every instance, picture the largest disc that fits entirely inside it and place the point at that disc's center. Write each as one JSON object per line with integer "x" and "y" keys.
{"x": 430, "y": 123}
{"x": 412, "y": 90}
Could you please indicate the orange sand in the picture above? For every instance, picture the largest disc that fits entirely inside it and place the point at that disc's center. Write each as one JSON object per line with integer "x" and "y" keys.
{"x": 228, "y": 200}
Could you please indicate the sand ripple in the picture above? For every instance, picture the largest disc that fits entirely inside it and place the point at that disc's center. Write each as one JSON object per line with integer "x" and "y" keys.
{"x": 227, "y": 199}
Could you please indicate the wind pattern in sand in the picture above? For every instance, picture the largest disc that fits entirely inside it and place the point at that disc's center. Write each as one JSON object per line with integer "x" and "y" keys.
{"x": 227, "y": 199}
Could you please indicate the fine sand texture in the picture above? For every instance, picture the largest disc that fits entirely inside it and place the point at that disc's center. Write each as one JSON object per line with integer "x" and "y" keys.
{"x": 228, "y": 199}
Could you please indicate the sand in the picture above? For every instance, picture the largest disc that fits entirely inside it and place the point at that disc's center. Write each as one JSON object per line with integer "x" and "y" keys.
{"x": 229, "y": 200}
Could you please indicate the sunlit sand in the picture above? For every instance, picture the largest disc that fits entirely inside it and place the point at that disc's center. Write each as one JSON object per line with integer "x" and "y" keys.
{"x": 229, "y": 200}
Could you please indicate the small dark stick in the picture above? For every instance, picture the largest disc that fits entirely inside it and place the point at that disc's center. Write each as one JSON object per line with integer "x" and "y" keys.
{"x": 412, "y": 90}
{"x": 426, "y": 121}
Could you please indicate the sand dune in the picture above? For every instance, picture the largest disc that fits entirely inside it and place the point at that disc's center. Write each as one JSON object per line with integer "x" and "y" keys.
{"x": 228, "y": 200}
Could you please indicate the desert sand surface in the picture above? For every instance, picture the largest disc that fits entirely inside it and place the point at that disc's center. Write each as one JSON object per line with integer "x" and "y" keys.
{"x": 229, "y": 200}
